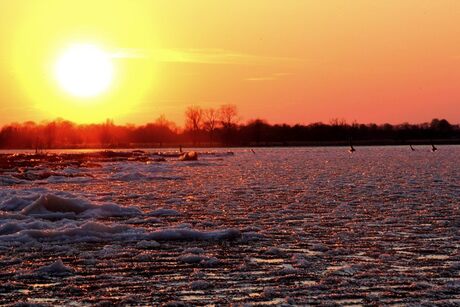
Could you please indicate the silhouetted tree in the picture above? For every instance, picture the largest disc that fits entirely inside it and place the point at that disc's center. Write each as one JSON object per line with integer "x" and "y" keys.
{"x": 222, "y": 127}
{"x": 165, "y": 129}
{"x": 49, "y": 134}
{"x": 211, "y": 120}
{"x": 106, "y": 136}
{"x": 228, "y": 118}
{"x": 193, "y": 121}
{"x": 257, "y": 130}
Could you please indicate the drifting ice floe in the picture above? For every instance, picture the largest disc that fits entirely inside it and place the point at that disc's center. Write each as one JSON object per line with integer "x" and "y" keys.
{"x": 68, "y": 232}
{"x": 46, "y": 216}
{"x": 52, "y": 206}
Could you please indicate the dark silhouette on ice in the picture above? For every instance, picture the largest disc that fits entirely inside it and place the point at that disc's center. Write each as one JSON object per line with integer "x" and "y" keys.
{"x": 352, "y": 149}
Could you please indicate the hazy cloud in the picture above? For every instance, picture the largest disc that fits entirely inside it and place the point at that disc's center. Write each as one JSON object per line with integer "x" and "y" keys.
{"x": 205, "y": 56}
{"x": 128, "y": 53}
{"x": 271, "y": 77}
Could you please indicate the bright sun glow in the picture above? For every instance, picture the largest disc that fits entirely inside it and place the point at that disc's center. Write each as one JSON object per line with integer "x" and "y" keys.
{"x": 84, "y": 70}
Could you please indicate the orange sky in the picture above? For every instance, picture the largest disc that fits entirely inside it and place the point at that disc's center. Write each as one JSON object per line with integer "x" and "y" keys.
{"x": 284, "y": 61}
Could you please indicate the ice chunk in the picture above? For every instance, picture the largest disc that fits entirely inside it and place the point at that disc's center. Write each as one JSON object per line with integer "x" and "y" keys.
{"x": 189, "y": 156}
{"x": 164, "y": 212}
{"x": 14, "y": 203}
{"x": 56, "y": 268}
{"x": 190, "y": 235}
{"x": 53, "y": 206}
{"x": 143, "y": 257}
{"x": 135, "y": 176}
{"x": 199, "y": 259}
{"x": 319, "y": 247}
{"x": 210, "y": 262}
{"x": 346, "y": 270}
{"x": 252, "y": 236}
{"x": 9, "y": 180}
{"x": 192, "y": 258}
{"x": 194, "y": 250}
{"x": 200, "y": 285}
{"x": 177, "y": 304}
{"x": 143, "y": 220}
{"x": 52, "y": 203}
{"x": 69, "y": 232}
{"x": 9, "y": 228}
{"x": 287, "y": 269}
{"x": 274, "y": 251}
{"x": 147, "y": 244}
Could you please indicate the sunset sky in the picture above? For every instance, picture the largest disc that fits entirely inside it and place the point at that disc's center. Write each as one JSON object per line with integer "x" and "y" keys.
{"x": 287, "y": 61}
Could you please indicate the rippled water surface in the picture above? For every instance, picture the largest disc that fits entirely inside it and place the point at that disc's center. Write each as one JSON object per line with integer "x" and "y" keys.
{"x": 281, "y": 226}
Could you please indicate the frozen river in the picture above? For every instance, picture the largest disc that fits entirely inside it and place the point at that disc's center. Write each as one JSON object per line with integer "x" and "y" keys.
{"x": 289, "y": 226}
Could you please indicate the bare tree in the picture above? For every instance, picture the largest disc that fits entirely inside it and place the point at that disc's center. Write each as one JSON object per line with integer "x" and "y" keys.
{"x": 211, "y": 120}
{"x": 164, "y": 128}
{"x": 229, "y": 119}
{"x": 338, "y": 122}
{"x": 228, "y": 115}
{"x": 106, "y": 136}
{"x": 165, "y": 123}
{"x": 193, "y": 121}
{"x": 161, "y": 121}
{"x": 49, "y": 133}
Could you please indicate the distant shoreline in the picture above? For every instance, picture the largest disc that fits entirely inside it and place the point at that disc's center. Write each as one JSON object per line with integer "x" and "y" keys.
{"x": 259, "y": 145}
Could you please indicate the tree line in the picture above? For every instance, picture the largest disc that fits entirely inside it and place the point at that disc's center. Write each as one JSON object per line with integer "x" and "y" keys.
{"x": 218, "y": 127}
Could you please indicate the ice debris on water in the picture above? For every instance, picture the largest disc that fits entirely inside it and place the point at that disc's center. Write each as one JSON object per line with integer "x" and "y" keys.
{"x": 378, "y": 229}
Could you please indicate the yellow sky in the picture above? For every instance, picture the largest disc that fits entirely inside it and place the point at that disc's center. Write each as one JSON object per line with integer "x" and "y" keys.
{"x": 288, "y": 61}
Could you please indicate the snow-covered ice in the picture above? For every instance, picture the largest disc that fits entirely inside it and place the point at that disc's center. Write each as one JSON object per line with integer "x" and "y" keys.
{"x": 288, "y": 226}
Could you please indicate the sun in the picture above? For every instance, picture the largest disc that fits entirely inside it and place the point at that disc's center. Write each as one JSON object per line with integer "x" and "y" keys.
{"x": 84, "y": 70}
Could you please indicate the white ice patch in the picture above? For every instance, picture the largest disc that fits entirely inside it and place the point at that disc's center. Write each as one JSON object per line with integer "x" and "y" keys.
{"x": 52, "y": 206}
{"x": 69, "y": 232}
{"x": 36, "y": 216}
